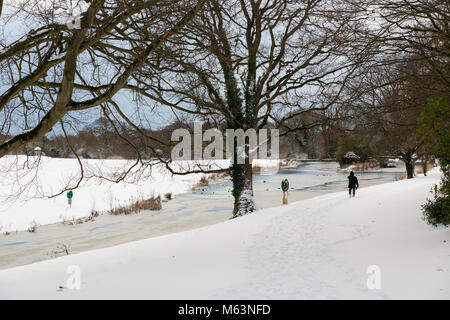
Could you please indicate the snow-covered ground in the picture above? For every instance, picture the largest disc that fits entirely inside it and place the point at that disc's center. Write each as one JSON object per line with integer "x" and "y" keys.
{"x": 25, "y": 187}
{"x": 317, "y": 248}
{"x": 27, "y": 184}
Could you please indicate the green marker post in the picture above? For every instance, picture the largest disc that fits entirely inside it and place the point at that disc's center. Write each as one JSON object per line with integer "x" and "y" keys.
{"x": 69, "y": 197}
{"x": 285, "y": 188}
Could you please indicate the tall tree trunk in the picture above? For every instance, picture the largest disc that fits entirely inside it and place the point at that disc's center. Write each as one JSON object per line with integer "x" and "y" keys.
{"x": 407, "y": 158}
{"x": 237, "y": 173}
{"x": 424, "y": 167}
{"x": 242, "y": 178}
{"x": 410, "y": 169}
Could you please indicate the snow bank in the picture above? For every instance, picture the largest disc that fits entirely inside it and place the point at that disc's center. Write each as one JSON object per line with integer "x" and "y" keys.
{"x": 266, "y": 163}
{"x": 318, "y": 248}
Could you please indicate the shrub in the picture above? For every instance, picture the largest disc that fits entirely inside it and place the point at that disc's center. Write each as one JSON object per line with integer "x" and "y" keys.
{"x": 434, "y": 127}
{"x": 358, "y": 146}
{"x": 437, "y": 211}
{"x": 204, "y": 182}
{"x": 135, "y": 206}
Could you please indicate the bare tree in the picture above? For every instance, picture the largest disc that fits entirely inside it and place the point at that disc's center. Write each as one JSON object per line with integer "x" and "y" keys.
{"x": 50, "y": 67}
{"x": 249, "y": 63}
{"x": 389, "y": 102}
{"x": 57, "y": 72}
{"x": 409, "y": 66}
{"x": 417, "y": 30}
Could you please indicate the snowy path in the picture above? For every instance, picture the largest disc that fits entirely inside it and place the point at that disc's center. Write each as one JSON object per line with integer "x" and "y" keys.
{"x": 316, "y": 248}
{"x": 293, "y": 257}
{"x": 321, "y": 248}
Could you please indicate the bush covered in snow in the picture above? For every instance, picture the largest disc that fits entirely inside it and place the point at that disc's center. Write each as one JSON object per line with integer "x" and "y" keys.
{"x": 437, "y": 211}
{"x": 349, "y": 158}
{"x": 354, "y": 149}
{"x": 434, "y": 128}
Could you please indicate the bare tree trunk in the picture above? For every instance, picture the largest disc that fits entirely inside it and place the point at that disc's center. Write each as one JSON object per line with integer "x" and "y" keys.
{"x": 242, "y": 178}
{"x": 237, "y": 178}
{"x": 249, "y": 63}
{"x": 424, "y": 167}
{"x": 407, "y": 158}
{"x": 410, "y": 169}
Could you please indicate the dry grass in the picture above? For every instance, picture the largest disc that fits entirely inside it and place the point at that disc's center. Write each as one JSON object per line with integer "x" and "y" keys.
{"x": 204, "y": 182}
{"x": 419, "y": 170}
{"x": 219, "y": 175}
{"x": 256, "y": 169}
{"x": 136, "y": 206}
{"x": 401, "y": 176}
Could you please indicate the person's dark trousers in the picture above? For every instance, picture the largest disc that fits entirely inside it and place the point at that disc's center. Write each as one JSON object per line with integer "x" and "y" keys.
{"x": 350, "y": 191}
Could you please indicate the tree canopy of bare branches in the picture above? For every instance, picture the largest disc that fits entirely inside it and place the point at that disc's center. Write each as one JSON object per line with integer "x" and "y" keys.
{"x": 59, "y": 69}
{"x": 248, "y": 63}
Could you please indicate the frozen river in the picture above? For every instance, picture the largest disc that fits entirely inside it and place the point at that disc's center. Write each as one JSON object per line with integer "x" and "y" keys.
{"x": 186, "y": 211}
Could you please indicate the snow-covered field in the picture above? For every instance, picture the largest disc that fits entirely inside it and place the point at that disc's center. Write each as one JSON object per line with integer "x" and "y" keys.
{"x": 24, "y": 192}
{"x": 27, "y": 182}
{"x": 317, "y": 248}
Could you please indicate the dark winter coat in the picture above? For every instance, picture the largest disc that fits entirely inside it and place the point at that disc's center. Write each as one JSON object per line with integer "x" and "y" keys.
{"x": 352, "y": 181}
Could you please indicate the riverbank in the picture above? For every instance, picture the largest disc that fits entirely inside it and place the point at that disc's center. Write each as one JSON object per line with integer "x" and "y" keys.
{"x": 206, "y": 206}
{"x": 33, "y": 189}
{"x": 320, "y": 248}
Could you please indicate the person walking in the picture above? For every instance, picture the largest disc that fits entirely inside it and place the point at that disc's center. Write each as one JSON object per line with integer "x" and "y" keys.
{"x": 352, "y": 184}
